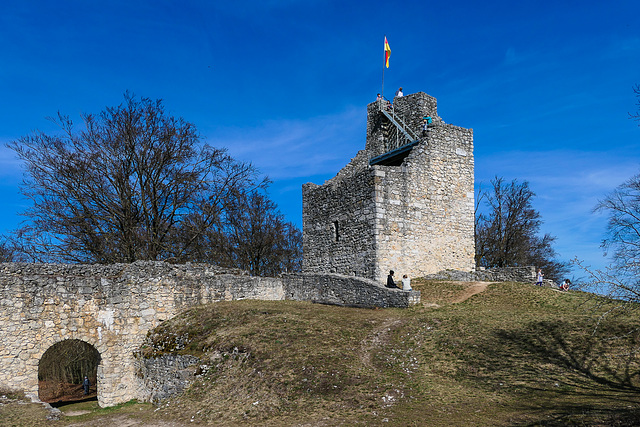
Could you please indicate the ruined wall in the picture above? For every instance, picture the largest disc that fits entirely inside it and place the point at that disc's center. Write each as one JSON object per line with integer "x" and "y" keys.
{"x": 345, "y": 290}
{"x": 526, "y": 274}
{"x": 161, "y": 377}
{"x": 165, "y": 376}
{"x": 416, "y": 218}
{"x": 338, "y": 220}
{"x": 112, "y": 308}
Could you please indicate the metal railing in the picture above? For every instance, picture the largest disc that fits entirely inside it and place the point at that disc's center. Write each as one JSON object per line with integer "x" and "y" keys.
{"x": 401, "y": 135}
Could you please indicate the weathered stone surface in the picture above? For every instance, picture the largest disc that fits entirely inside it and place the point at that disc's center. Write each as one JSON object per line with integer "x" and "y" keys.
{"x": 113, "y": 307}
{"x": 525, "y": 274}
{"x": 165, "y": 376}
{"x": 415, "y": 218}
{"x": 345, "y": 290}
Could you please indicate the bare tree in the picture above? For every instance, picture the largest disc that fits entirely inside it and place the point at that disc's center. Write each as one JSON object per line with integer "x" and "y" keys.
{"x": 290, "y": 249}
{"x": 621, "y": 279}
{"x": 480, "y": 227}
{"x": 622, "y": 240}
{"x": 636, "y": 116}
{"x": 508, "y": 235}
{"x": 259, "y": 239}
{"x": 127, "y": 187}
{"x": 7, "y": 251}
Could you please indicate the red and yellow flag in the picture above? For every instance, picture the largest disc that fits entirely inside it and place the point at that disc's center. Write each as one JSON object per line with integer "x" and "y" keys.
{"x": 387, "y": 52}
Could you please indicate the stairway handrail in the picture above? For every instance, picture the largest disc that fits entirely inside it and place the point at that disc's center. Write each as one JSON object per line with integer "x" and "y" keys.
{"x": 397, "y": 121}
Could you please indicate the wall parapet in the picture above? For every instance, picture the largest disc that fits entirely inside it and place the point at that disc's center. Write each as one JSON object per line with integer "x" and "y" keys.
{"x": 349, "y": 291}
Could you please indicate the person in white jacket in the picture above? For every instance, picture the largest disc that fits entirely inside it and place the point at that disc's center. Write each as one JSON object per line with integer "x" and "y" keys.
{"x": 406, "y": 283}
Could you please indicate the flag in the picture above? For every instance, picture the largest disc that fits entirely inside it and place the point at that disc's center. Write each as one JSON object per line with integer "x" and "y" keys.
{"x": 387, "y": 52}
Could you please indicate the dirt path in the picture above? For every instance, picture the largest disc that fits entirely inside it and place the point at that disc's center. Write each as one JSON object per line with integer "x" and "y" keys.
{"x": 75, "y": 413}
{"x": 127, "y": 421}
{"x": 376, "y": 339}
{"x": 474, "y": 288}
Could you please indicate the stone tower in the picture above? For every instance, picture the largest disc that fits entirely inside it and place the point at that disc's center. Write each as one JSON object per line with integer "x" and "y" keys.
{"x": 404, "y": 203}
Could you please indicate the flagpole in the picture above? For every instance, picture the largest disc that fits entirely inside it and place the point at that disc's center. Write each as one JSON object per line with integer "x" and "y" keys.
{"x": 383, "y": 65}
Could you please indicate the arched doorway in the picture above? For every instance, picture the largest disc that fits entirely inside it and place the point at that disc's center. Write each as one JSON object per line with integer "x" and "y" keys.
{"x": 62, "y": 369}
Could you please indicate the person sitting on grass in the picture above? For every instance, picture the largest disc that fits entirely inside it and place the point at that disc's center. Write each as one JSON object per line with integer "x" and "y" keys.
{"x": 565, "y": 285}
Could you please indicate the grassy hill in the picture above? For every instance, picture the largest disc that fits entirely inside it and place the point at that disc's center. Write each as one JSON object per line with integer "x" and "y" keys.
{"x": 511, "y": 355}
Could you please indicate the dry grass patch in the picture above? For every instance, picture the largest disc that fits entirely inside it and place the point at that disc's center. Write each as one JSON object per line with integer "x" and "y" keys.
{"x": 511, "y": 355}
{"x": 295, "y": 360}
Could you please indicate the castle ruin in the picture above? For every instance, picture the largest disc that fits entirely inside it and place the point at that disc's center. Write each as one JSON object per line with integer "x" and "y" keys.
{"x": 404, "y": 203}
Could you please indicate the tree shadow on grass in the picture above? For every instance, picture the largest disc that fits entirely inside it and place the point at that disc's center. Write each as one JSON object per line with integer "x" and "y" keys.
{"x": 563, "y": 374}
{"x": 582, "y": 416}
{"x": 594, "y": 358}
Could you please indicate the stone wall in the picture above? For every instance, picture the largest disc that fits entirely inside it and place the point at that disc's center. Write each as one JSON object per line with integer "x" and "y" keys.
{"x": 165, "y": 376}
{"x": 415, "y": 218}
{"x": 341, "y": 240}
{"x": 112, "y": 308}
{"x": 525, "y": 274}
{"x": 346, "y": 290}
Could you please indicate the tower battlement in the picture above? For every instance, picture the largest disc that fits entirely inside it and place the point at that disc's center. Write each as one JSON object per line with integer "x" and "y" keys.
{"x": 411, "y": 108}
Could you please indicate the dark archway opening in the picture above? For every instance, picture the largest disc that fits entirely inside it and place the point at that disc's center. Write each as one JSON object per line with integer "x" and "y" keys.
{"x": 62, "y": 370}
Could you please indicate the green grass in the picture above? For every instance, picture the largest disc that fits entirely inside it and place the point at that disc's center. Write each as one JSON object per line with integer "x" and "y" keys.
{"x": 512, "y": 355}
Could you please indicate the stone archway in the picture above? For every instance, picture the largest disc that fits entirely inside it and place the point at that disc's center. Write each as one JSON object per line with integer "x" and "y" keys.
{"x": 62, "y": 368}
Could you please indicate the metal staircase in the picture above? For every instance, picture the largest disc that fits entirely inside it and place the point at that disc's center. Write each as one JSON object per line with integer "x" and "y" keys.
{"x": 399, "y": 139}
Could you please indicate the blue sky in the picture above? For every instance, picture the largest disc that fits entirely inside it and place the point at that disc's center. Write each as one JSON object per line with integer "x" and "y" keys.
{"x": 546, "y": 85}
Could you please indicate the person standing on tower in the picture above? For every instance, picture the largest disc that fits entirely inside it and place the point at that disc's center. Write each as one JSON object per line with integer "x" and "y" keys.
{"x": 426, "y": 121}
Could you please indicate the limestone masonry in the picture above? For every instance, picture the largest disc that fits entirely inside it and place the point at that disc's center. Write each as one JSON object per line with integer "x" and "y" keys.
{"x": 112, "y": 307}
{"x": 411, "y": 212}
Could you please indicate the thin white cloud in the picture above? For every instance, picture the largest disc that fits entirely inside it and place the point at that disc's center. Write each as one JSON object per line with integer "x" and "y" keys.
{"x": 568, "y": 185}
{"x": 297, "y": 148}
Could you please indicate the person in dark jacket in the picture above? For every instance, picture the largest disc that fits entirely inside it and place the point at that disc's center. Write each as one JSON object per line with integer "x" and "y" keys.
{"x": 390, "y": 281}
{"x": 85, "y": 385}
